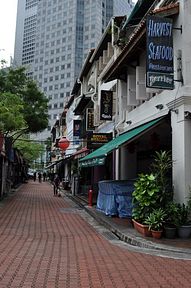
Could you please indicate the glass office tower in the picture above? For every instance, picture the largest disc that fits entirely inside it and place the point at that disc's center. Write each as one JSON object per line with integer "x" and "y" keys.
{"x": 53, "y": 38}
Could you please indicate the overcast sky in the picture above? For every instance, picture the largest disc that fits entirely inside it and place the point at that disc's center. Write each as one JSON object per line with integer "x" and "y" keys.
{"x": 8, "y": 10}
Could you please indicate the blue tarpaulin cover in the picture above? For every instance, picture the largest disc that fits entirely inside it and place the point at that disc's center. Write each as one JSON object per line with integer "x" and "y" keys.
{"x": 115, "y": 198}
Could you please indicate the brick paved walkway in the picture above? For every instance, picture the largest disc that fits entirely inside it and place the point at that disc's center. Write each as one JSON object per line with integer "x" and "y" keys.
{"x": 45, "y": 243}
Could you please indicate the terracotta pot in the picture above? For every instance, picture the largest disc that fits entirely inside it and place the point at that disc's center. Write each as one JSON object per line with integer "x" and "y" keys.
{"x": 142, "y": 228}
{"x": 156, "y": 234}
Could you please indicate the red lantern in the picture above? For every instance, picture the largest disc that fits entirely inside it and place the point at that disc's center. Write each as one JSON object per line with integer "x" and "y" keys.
{"x": 63, "y": 143}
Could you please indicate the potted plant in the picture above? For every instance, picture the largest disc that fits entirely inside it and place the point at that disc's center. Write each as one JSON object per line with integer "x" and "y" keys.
{"x": 184, "y": 224}
{"x": 152, "y": 190}
{"x": 155, "y": 220}
{"x": 161, "y": 167}
{"x": 145, "y": 198}
{"x": 171, "y": 220}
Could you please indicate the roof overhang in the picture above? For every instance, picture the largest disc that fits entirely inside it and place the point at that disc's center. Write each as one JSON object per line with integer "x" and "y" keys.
{"x": 82, "y": 104}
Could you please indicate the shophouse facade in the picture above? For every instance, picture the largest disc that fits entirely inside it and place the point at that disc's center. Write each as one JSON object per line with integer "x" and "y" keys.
{"x": 143, "y": 118}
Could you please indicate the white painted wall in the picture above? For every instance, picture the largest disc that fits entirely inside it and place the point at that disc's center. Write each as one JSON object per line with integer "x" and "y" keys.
{"x": 180, "y": 99}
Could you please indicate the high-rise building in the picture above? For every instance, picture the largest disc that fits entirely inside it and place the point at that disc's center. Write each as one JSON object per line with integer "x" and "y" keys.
{"x": 53, "y": 38}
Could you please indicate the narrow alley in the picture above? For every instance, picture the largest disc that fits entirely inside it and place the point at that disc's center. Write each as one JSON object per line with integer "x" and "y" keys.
{"x": 46, "y": 243}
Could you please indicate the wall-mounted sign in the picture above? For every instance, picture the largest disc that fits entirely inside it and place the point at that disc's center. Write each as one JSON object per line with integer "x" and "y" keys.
{"x": 159, "y": 53}
{"x": 106, "y": 105}
{"x": 76, "y": 131}
{"x": 96, "y": 140}
{"x": 90, "y": 119}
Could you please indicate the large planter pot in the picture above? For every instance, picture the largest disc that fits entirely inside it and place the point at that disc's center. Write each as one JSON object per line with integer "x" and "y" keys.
{"x": 141, "y": 228}
{"x": 156, "y": 234}
{"x": 170, "y": 232}
{"x": 184, "y": 231}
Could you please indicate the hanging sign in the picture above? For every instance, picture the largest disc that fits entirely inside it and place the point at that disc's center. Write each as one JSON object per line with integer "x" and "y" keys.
{"x": 159, "y": 53}
{"x": 90, "y": 119}
{"x": 96, "y": 140}
{"x": 106, "y": 105}
{"x": 76, "y": 131}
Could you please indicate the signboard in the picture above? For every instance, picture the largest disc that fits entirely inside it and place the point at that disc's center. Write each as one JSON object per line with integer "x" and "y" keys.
{"x": 159, "y": 53}
{"x": 76, "y": 131}
{"x": 90, "y": 119}
{"x": 106, "y": 105}
{"x": 93, "y": 162}
{"x": 96, "y": 140}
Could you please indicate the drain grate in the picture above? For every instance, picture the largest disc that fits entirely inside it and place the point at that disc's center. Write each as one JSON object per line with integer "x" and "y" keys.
{"x": 109, "y": 235}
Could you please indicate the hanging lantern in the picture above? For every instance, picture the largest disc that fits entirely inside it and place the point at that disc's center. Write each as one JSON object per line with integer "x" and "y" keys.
{"x": 63, "y": 143}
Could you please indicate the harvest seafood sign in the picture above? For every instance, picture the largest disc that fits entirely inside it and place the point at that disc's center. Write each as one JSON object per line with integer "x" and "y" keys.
{"x": 160, "y": 53}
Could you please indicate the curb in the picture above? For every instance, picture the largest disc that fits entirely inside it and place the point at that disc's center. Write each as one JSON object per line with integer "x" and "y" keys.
{"x": 129, "y": 239}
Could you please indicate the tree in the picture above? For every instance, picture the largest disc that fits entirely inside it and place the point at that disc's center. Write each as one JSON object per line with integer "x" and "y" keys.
{"x": 30, "y": 150}
{"x": 35, "y": 108}
{"x": 20, "y": 97}
{"x": 11, "y": 116}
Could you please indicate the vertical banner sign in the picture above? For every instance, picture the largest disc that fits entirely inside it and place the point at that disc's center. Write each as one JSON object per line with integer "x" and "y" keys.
{"x": 90, "y": 119}
{"x": 159, "y": 53}
{"x": 106, "y": 105}
{"x": 76, "y": 131}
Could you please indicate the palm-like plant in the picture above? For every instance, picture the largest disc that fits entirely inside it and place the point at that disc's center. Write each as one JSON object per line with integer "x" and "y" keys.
{"x": 161, "y": 166}
{"x": 156, "y": 219}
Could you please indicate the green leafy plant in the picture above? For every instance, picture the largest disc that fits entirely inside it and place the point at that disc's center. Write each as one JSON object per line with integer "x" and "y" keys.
{"x": 183, "y": 215}
{"x": 156, "y": 219}
{"x": 172, "y": 214}
{"x": 161, "y": 167}
{"x": 145, "y": 196}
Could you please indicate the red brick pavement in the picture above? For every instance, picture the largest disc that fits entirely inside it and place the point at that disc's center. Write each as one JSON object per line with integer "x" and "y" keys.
{"x": 45, "y": 243}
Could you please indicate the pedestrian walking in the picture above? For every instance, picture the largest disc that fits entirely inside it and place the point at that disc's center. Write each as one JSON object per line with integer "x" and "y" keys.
{"x": 44, "y": 176}
{"x": 39, "y": 177}
{"x": 34, "y": 176}
{"x": 56, "y": 184}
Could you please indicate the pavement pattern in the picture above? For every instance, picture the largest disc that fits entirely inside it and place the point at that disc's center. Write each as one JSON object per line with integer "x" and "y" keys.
{"x": 46, "y": 242}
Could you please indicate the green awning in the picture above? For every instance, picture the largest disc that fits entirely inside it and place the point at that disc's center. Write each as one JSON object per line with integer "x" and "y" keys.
{"x": 98, "y": 156}
{"x": 138, "y": 12}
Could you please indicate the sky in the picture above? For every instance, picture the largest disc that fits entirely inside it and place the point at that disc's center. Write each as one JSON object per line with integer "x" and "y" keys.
{"x": 8, "y": 10}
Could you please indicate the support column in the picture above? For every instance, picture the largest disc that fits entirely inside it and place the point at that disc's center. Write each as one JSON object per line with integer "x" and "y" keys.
{"x": 181, "y": 152}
